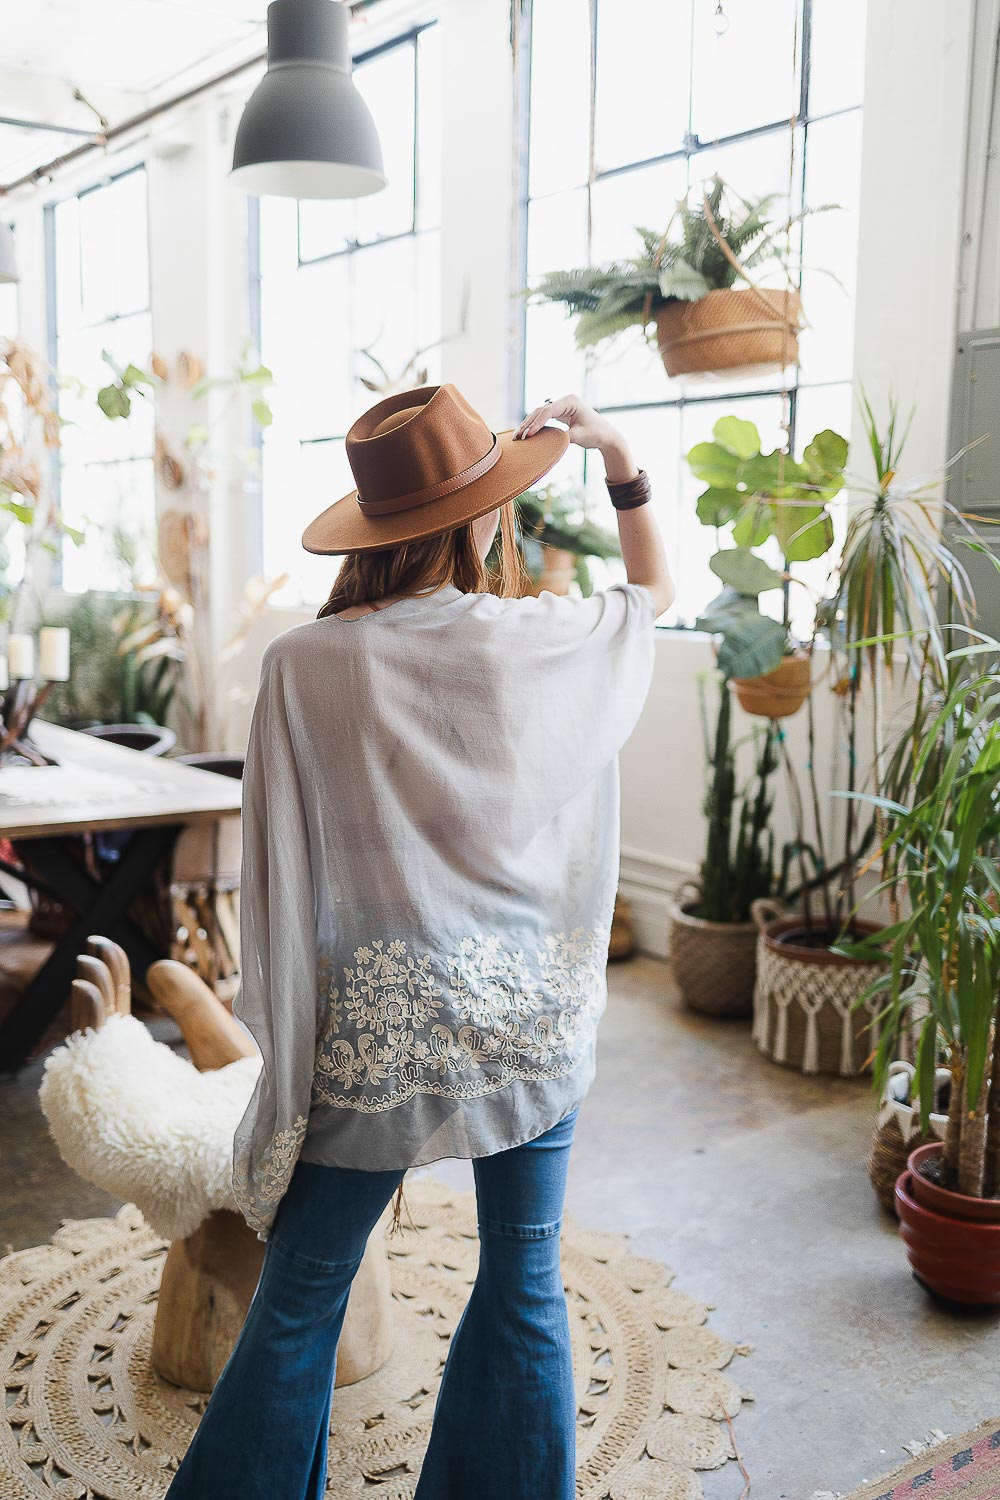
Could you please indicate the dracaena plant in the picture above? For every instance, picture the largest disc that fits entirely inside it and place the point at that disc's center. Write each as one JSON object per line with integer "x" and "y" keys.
{"x": 682, "y": 263}
{"x": 765, "y": 498}
{"x": 943, "y": 850}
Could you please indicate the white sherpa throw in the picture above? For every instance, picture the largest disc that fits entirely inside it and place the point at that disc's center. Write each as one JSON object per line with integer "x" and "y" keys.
{"x": 135, "y": 1119}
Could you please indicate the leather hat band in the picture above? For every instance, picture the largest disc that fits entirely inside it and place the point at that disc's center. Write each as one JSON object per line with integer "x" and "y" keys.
{"x": 388, "y": 507}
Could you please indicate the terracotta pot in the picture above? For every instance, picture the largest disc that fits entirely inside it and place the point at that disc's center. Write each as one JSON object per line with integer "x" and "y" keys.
{"x": 714, "y": 963}
{"x": 777, "y": 694}
{"x": 733, "y": 329}
{"x": 955, "y": 1257}
{"x": 943, "y": 1200}
{"x": 806, "y": 1013}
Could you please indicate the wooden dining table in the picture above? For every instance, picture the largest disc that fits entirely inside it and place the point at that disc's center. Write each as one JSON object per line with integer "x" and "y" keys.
{"x": 92, "y": 786}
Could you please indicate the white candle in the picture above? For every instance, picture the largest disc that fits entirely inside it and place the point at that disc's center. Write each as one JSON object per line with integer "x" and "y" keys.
{"x": 4, "y": 676}
{"x": 21, "y": 656}
{"x": 53, "y": 653}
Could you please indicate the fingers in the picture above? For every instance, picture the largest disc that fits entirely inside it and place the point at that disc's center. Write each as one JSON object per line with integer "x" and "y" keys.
{"x": 561, "y": 410}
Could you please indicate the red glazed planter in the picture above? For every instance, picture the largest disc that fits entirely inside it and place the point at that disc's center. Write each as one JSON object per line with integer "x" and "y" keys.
{"x": 957, "y": 1258}
{"x": 943, "y": 1200}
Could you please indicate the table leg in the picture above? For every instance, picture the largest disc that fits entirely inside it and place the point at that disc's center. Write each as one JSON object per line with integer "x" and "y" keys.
{"x": 101, "y": 908}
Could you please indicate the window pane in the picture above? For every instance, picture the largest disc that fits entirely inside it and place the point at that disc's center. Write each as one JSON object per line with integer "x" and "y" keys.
{"x": 653, "y": 436}
{"x": 748, "y": 75}
{"x": 552, "y": 362}
{"x": 103, "y": 500}
{"x": 644, "y": 197}
{"x": 8, "y": 309}
{"x": 557, "y": 233}
{"x": 836, "y": 54}
{"x": 300, "y": 479}
{"x": 638, "y": 116}
{"x": 386, "y": 83}
{"x": 560, "y": 95}
{"x": 830, "y": 248}
{"x": 816, "y": 409}
{"x": 756, "y": 168}
{"x": 102, "y": 304}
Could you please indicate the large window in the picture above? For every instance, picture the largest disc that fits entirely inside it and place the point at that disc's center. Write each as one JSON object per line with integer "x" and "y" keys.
{"x": 349, "y": 296}
{"x": 98, "y": 246}
{"x": 634, "y": 102}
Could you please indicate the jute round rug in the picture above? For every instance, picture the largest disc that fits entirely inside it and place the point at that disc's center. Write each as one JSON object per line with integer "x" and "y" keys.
{"x": 87, "y": 1419}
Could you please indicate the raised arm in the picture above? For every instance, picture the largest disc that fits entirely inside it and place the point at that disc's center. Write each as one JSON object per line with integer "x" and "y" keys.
{"x": 643, "y": 552}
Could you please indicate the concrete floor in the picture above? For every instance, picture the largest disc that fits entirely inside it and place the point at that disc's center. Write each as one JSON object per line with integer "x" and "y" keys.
{"x": 749, "y": 1181}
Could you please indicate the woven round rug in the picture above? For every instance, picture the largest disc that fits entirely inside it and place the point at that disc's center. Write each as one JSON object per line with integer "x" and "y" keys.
{"x": 86, "y": 1418}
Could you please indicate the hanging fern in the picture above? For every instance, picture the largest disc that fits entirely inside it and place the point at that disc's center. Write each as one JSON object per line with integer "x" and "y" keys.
{"x": 683, "y": 263}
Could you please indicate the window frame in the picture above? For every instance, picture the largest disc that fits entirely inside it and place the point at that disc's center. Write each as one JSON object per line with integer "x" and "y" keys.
{"x": 50, "y": 260}
{"x": 406, "y": 38}
{"x": 692, "y": 146}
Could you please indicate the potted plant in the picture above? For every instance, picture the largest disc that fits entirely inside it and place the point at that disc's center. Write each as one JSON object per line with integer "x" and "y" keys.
{"x": 768, "y": 499}
{"x": 712, "y": 937}
{"x": 814, "y": 1006}
{"x": 683, "y": 284}
{"x": 558, "y": 540}
{"x": 944, "y": 850}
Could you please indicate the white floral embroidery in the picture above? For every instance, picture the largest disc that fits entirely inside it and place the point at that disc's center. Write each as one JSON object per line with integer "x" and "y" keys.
{"x": 459, "y": 1025}
{"x": 259, "y": 1198}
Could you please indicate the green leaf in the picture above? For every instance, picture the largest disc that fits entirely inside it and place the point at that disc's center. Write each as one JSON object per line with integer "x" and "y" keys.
{"x": 133, "y": 376}
{"x": 114, "y": 401}
{"x": 76, "y": 536}
{"x": 682, "y": 281}
{"x": 725, "y": 611}
{"x": 803, "y": 531}
{"x": 715, "y": 465}
{"x": 262, "y": 412}
{"x": 717, "y": 506}
{"x": 737, "y": 436}
{"x": 754, "y": 524}
{"x": 743, "y": 571}
{"x": 752, "y": 647}
{"x": 826, "y": 454}
{"x": 23, "y": 513}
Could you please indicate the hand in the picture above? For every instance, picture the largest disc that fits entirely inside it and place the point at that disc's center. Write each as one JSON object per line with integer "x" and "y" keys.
{"x": 587, "y": 429}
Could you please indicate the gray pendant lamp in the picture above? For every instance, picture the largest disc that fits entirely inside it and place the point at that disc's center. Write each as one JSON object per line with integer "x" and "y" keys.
{"x": 8, "y": 254}
{"x": 306, "y": 131}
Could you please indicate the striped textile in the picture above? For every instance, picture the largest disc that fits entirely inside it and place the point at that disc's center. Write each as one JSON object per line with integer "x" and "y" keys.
{"x": 962, "y": 1468}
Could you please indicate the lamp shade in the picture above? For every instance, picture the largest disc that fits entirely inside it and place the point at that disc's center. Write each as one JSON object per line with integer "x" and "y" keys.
{"x": 306, "y": 132}
{"x": 8, "y": 254}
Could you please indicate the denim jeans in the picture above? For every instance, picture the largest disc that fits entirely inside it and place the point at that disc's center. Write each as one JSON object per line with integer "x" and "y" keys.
{"x": 505, "y": 1421}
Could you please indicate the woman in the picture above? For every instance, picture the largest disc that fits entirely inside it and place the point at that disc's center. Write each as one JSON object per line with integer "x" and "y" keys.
{"x": 430, "y": 861}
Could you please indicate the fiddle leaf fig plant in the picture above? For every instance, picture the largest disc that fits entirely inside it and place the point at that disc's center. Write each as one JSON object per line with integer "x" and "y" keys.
{"x": 762, "y": 496}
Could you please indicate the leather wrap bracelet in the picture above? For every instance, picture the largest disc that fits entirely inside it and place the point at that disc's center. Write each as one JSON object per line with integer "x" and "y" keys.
{"x": 632, "y": 493}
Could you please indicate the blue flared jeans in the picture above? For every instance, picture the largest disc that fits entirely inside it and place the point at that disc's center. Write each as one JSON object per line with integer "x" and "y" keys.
{"x": 505, "y": 1420}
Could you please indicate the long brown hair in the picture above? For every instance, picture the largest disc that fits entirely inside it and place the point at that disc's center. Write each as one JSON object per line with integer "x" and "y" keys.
{"x": 424, "y": 567}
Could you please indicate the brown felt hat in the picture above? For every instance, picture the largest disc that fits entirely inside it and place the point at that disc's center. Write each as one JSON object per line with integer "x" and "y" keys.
{"x": 426, "y": 462}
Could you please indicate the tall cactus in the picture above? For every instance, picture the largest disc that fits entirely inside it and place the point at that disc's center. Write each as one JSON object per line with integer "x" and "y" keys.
{"x": 734, "y": 873}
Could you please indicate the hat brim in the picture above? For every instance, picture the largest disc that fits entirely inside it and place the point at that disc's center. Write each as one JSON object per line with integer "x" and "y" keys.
{"x": 343, "y": 527}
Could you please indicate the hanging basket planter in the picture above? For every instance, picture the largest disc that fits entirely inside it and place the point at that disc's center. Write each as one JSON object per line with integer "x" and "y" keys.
{"x": 734, "y": 329}
{"x": 777, "y": 694}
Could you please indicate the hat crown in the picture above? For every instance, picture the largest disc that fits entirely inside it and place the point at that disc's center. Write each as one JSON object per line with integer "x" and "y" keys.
{"x": 414, "y": 442}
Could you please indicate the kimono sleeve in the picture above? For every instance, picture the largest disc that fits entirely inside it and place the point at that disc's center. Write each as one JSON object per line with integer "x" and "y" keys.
{"x": 591, "y": 666}
{"x": 276, "y": 999}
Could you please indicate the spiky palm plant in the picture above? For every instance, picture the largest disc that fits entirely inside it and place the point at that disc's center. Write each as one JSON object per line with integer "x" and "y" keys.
{"x": 683, "y": 266}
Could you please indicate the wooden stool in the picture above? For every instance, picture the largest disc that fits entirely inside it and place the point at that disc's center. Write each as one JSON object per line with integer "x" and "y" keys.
{"x": 209, "y": 1277}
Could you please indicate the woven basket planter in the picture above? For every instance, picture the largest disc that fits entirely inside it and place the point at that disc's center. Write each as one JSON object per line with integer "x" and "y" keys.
{"x": 805, "y": 1000}
{"x": 713, "y": 962}
{"x": 735, "y": 329}
{"x": 897, "y": 1132}
{"x": 777, "y": 694}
